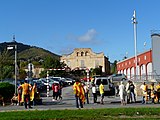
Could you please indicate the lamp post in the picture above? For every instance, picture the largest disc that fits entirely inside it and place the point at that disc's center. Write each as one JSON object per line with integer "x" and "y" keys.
{"x": 135, "y": 39}
{"x": 10, "y": 47}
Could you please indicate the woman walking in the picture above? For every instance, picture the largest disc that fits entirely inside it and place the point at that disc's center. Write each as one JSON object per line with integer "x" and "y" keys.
{"x": 122, "y": 93}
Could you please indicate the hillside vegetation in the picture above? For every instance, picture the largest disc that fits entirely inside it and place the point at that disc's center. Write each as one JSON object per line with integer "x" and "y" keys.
{"x": 26, "y": 52}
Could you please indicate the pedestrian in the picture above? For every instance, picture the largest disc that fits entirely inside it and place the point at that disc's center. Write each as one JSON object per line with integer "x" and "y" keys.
{"x": 2, "y": 100}
{"x": 152, "y": 92}
{"x": 128, "y": 92}
{"x": 60, "y": 86}
{"x": 26, "y": 88}
{"x": 132, "y": 92}
{"x": 19, "y": 95}
{"x": 158, "y": 91}
{"x": 14, "y": 99}
{"x": 53, "y": 89}
{"x": 101, "y": 90}
{"x": 56, "y": 90}
{"x": 122, "y": 93}
{"x": 34, "y": 94}
{"x": 86, "y": 90}
{"x": 94, "y": 92}
{"x": 144, "y": 89}
{"x": 79, "y": 93}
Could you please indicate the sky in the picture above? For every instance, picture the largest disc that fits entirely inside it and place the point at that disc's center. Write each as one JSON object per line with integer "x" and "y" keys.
{"x": 60, "y": 26}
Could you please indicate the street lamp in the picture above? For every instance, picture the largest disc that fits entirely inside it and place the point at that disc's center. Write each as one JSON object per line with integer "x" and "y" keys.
{"x": 11, "y": 47}
{"x": 135, "y": 39}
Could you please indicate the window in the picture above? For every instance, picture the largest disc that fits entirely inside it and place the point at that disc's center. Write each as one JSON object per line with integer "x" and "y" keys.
{"x": 96, "y": 63}
{"x": 139, "y": 59}
{"x": 86, "y": 53}
{"x": 82, "y": 63}
{"x": 77, "y": 53}
{"x": 82, "y": 53}
{"x": 145, "y": 57}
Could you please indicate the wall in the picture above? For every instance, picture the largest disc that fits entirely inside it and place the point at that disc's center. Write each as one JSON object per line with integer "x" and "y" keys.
{"x": 156, "y": 53}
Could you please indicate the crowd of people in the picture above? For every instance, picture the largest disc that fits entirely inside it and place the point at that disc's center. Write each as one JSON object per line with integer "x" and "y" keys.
{"x": 126, "y": 92}
{"x": 57, "y": 91}
{"x": 81, "y": 92}
{"x": 27, "y": 94}
{"x": 152, "y": 93}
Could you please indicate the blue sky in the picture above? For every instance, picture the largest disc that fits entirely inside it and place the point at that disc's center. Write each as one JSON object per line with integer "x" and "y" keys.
{"x": 62, "y": 25}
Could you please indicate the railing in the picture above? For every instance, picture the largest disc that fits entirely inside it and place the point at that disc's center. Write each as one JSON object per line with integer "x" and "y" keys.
{"x": 151, "y": 77}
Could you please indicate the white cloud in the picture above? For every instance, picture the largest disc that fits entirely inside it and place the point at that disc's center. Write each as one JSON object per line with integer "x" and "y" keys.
{"x": 86, "y": 39}
{"x": 89, "y": 36}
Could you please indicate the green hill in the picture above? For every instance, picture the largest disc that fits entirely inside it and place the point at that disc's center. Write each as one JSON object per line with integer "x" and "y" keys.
{"x": 27, "y": 52}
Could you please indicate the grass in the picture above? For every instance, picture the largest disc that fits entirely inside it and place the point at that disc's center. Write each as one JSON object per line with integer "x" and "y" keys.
{"x": 84, "y": 114}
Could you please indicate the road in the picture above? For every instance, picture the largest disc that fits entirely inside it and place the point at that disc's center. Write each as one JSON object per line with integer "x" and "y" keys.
{"x": 68, "y": 102}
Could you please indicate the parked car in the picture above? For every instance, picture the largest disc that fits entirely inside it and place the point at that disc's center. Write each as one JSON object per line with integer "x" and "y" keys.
{"x": 117, "y": 77}
{"x": 69, "y": 81}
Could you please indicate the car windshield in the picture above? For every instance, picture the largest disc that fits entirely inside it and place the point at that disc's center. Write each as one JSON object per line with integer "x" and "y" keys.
{"x": 56, "y": 79}
{"x": 104, "y": 82}
{"x": 98, "y": 82}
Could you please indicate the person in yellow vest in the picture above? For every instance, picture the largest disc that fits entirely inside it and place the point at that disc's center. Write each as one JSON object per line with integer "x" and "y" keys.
{"x": 144, "y": 89}
{"x": 33, "y": 94}
{"x": 20, "y": 95}
{"x": 79, "y": 93}
{"x": 26, "y": 93}
{"x": 101, "y": 90}
{"x": 152, "y": 92}
{"x": 158, "y": 91}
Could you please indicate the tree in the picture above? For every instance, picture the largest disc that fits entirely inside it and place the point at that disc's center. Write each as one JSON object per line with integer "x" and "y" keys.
{"x": 97, "y": 71}
{"x": 114, "y": 67}
{"x": 22, "y": 74}
{"x": 6, "y": 68}
{"x": 52, "y": 63}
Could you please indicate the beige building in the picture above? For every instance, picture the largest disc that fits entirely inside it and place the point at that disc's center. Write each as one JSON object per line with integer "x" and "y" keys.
{"x": 86, "y": 58}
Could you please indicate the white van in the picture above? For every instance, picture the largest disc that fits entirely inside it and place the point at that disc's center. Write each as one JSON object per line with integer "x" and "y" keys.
{"x": 109, "y": 89}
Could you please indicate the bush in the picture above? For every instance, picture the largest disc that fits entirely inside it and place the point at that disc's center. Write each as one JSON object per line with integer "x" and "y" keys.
{"x": 6, "y": 90}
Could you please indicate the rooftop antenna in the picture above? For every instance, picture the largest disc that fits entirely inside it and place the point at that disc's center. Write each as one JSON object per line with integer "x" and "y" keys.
{"x": 126, "y": 54}
{"x": 14, "y": 38}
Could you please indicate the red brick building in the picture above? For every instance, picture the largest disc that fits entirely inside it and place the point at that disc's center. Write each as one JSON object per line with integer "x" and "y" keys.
{"x": 144, "y": 65}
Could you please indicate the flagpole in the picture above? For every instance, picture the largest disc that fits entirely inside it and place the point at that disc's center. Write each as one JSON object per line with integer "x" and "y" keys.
{"x": 135, "y": 41}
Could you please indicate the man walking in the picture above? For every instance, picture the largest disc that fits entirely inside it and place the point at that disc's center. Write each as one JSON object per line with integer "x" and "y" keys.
{"x": 101, "y": 90}
{"x": 79, "y": 93}
{"x": 26, "y": 93}
{"x": 94, "y": 93}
